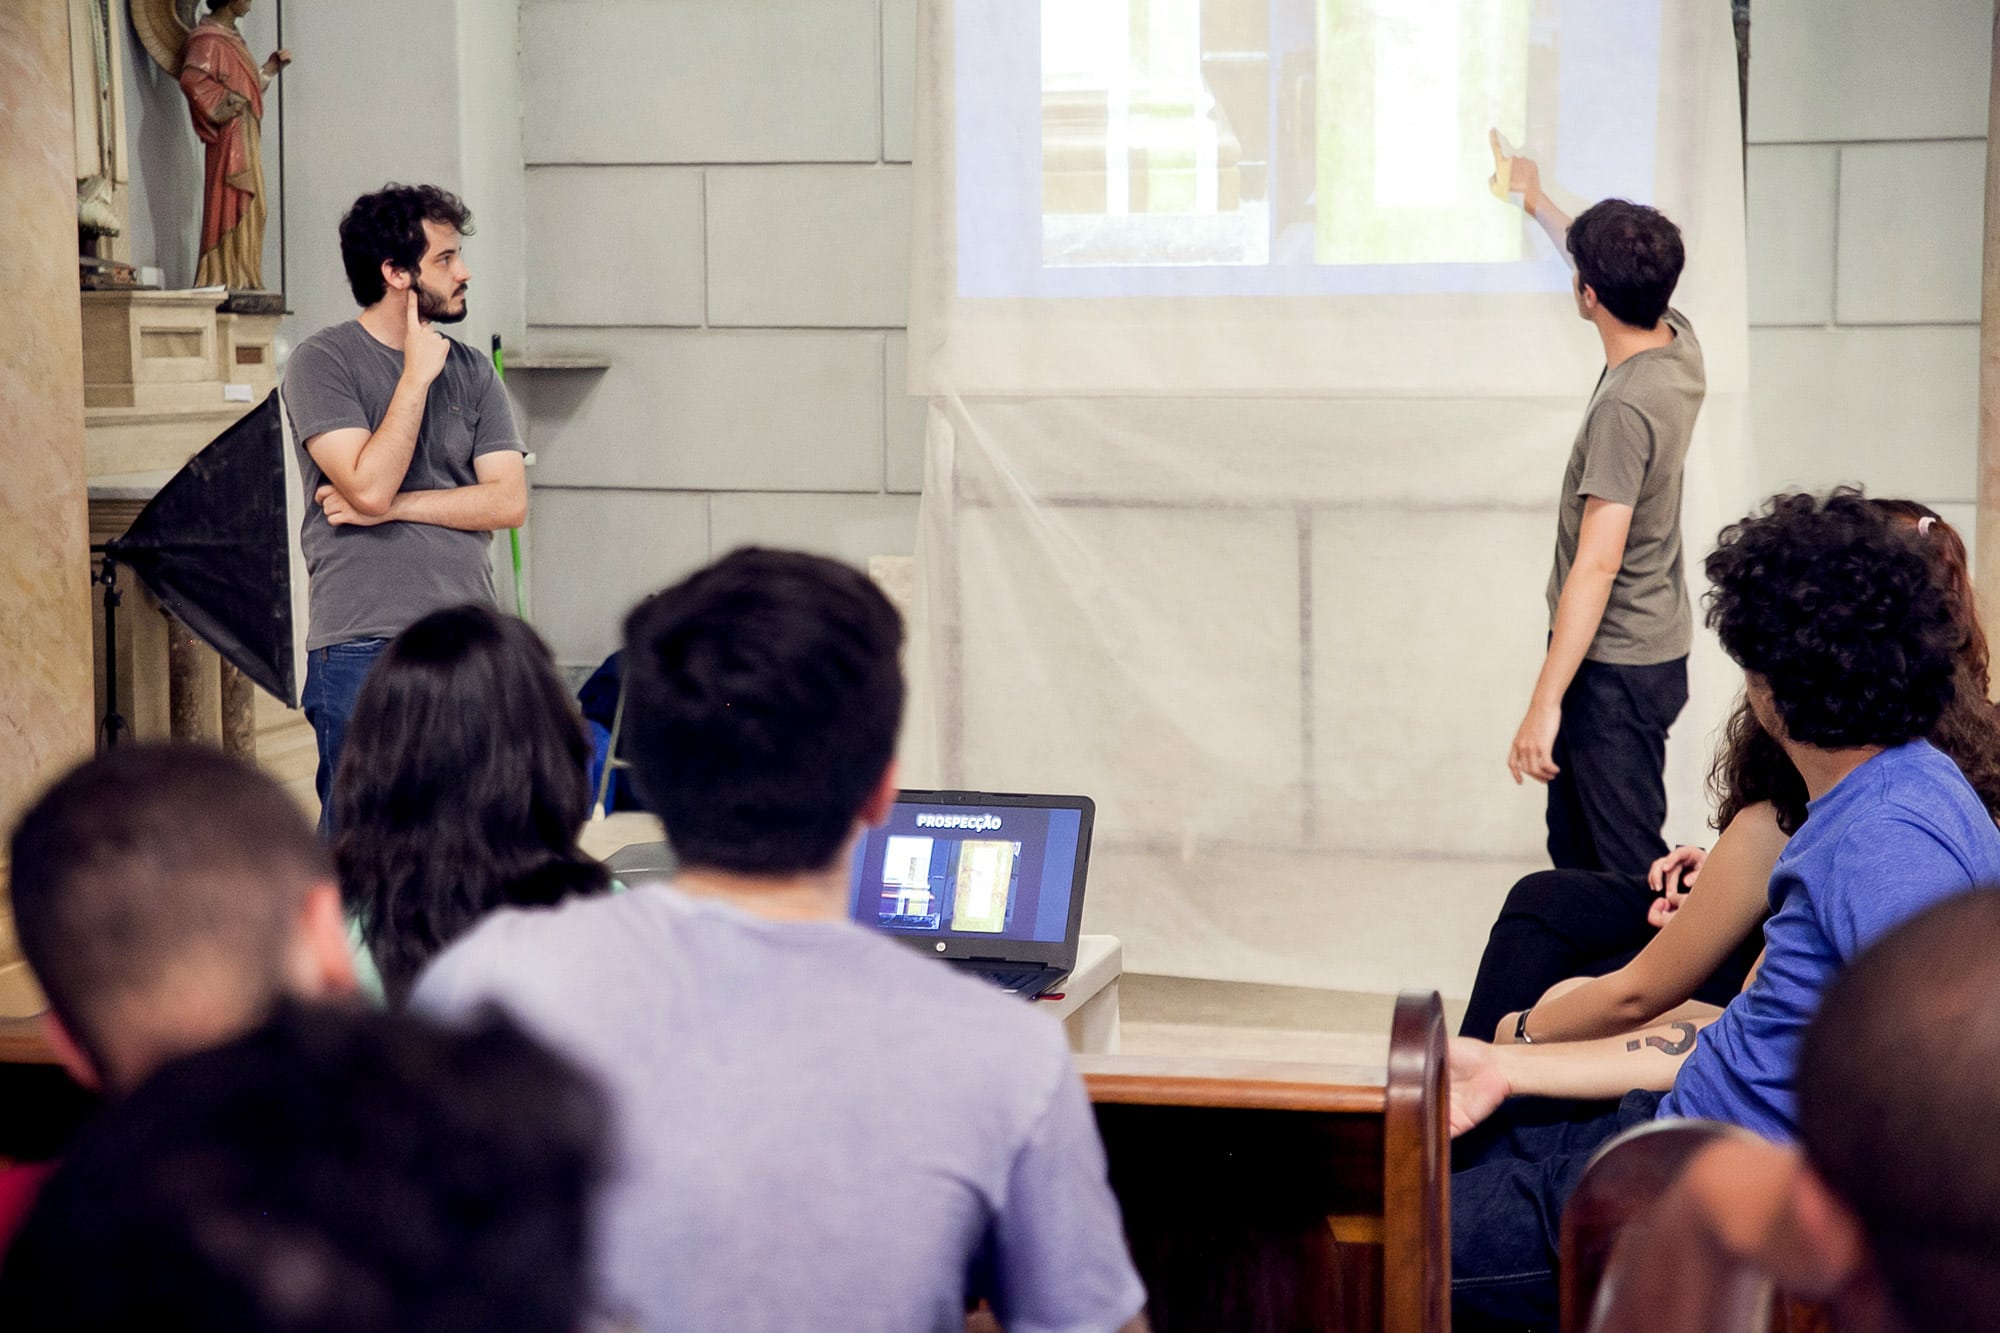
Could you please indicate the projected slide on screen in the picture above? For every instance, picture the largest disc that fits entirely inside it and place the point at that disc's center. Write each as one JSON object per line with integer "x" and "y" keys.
{"x": 1273, "y": 147}
{"x": 936, "y": 870}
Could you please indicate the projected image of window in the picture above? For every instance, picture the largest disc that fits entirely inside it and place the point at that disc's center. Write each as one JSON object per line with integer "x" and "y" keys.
{"x": 983, "y": 893}
{"x": 1141, "y": 162}
{"x": 1286, "y": 147}
{"x": 1405, "y": 94}
{"x": 1321, "y": 131}
{"x": 911, "y": 893}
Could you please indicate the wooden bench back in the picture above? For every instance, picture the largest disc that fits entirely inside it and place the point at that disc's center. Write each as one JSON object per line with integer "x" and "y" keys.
{"x": 1624, "y": 1179}
{"x": 1268, "y": 1198}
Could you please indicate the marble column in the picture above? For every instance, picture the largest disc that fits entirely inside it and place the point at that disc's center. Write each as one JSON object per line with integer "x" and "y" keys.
{"x": 45, "y": 671}
{"x": 1986, "y": 547}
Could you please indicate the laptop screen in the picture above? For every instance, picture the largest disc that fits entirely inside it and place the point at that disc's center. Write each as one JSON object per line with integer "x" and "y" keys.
{"x": 974, "y": 867}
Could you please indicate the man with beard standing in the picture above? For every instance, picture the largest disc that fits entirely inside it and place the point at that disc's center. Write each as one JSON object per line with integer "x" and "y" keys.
{"x": 408, "y": 450}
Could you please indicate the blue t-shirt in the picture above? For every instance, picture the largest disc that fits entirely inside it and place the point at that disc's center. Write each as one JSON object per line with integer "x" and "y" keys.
{"x": 1901, "y": 832}
{"x": 816, "y": 1126}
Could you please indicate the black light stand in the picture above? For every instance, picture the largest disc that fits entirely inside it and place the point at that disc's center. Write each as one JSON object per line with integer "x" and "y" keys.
{"x": 113, "y": 721}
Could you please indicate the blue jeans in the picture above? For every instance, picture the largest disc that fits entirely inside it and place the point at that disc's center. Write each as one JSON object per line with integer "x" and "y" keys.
{"x": 1510, "y": 1179}
{"x": 333, "y": 678}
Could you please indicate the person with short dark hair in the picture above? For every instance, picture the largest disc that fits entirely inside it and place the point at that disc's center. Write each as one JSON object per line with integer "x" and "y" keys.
{"x": 461, "y": 789}
{"x": 818, "y": 1124}
{"x": 1615, "y": 674}
{"x": 328, "y": 1171}
{"x": 407, "y": 448}
{"x": 1889, "y": 1207}
{"x": 1849, "y": 647}
{"x": 166, "y": 897}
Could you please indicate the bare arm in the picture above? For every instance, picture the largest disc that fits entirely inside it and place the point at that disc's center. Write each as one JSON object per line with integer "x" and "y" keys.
{"x": 1600, "y": 552}
{"x": 1735, "y": 880}
{"x": 367, "y": 467}
{"x": 1524, "y": 178}
{"x": 1484, "y": 1075}
{"x": 1544, "y": 210}
{"x": 499, "y": 499}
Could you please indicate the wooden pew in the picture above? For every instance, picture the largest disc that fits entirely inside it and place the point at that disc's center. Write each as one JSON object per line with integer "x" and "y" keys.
{"x": 1624, "y": 1179}
{"x": 1269, "y": 1198}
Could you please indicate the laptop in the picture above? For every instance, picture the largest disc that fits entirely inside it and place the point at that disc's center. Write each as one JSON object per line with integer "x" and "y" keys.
{"x": 991, "y": 883}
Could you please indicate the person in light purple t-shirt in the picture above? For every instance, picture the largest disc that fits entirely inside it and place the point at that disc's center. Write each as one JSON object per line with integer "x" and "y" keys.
{"x": 1850, "y": 651}
{"x": 817, "y": 1126}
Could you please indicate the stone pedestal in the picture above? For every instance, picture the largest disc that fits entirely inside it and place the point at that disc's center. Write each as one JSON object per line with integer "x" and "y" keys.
{"x": 165, "y": 373}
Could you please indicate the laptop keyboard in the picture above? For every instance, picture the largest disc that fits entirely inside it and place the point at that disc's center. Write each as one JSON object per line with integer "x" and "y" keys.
{"x": 1030, "y": 979}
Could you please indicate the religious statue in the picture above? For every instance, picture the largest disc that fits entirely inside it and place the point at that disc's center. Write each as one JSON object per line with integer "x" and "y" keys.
{"x": 225, "y": 92}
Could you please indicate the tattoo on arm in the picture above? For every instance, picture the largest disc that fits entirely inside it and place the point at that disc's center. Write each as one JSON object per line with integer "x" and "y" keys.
{"x": 1684, "y": 1040}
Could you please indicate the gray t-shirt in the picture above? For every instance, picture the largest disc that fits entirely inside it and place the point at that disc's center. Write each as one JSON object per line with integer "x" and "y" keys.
{"x": 372, "y": 582}
{"x": 1629, "y": 451}
{"x": 816, "y": 1127}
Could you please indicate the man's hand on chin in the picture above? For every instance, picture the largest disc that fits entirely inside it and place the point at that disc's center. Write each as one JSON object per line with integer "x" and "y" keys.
{"x": 1478, "y": 1084}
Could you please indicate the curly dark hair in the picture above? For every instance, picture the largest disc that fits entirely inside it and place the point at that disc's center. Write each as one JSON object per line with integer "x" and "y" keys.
{"x": 461, "y": 788}
{"x": 1751, "y": 767}
{"x": 335, "y": 1169}
{"x": 1835, "y": 606}
{"x": 388, "y": 227}
{"x": 1631, "y": 256}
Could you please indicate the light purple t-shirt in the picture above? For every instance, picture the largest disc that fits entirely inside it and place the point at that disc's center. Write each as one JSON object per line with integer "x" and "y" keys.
{"x": 816, "y": 1127}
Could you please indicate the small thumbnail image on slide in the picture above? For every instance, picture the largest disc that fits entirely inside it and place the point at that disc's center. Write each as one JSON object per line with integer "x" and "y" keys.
{"x": 912, "y": 895}
{"x": 983, "y": 894}
{"x": 982, "y": 878}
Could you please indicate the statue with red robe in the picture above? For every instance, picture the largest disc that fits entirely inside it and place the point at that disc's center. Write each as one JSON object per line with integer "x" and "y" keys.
{"x": 225, "y": 92}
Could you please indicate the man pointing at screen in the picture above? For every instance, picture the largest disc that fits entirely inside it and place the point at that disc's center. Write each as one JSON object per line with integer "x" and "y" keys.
{"x": 1615, "y": 676}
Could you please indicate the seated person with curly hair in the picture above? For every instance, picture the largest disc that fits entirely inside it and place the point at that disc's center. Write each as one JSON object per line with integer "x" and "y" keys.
{"x": 1887, "y": 1209}
{"x": 1577, "y": 954}
{"x": 1849, "y": 647}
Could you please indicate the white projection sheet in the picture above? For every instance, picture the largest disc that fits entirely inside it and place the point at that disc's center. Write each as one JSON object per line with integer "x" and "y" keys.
{"x": 1250, "y": 393}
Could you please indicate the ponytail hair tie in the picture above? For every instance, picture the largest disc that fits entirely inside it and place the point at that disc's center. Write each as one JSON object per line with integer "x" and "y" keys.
{"x": 1924, "y": 525}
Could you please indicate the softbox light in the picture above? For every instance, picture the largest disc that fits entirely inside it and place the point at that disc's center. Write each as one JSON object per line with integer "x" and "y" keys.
{"x": 213, "y": 547}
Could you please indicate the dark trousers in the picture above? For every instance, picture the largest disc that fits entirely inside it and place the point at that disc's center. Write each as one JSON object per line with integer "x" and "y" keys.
{"x": 1558, "y": 924}
{"x": 1609, "y": 801}
{"x": 333, "y": 679}
{"x": 1510, "y": 1179}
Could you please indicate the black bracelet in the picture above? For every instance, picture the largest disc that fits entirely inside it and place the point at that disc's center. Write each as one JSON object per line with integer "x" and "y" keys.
{"x": 1521, "y": 1027}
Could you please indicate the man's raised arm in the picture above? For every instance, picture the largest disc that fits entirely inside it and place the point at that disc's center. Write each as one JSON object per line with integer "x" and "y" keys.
{"x": 366, "y": 468}
{"x": 1520, "y": 176}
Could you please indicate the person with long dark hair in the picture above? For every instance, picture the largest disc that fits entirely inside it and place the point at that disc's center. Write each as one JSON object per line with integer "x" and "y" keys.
{"x": 1577, "y": 955}
{"x": 1581, "y": 955}
{"x": 1850, "y": 653}
{"x": 461, "y": 789}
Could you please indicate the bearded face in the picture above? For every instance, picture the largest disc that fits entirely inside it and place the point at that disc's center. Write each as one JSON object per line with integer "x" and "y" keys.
{"x": 438, "y": 300}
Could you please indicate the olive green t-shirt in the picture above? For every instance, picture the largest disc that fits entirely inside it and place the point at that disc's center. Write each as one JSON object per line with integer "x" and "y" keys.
{"x": 1629, "y": 451}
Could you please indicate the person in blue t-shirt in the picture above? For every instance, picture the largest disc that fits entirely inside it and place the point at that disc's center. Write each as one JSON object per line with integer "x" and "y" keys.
{"x": 1848, "y": 649}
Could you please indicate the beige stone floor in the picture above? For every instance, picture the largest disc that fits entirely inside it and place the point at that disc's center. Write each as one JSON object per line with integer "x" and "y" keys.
{"x": 1239, "y": 1020}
